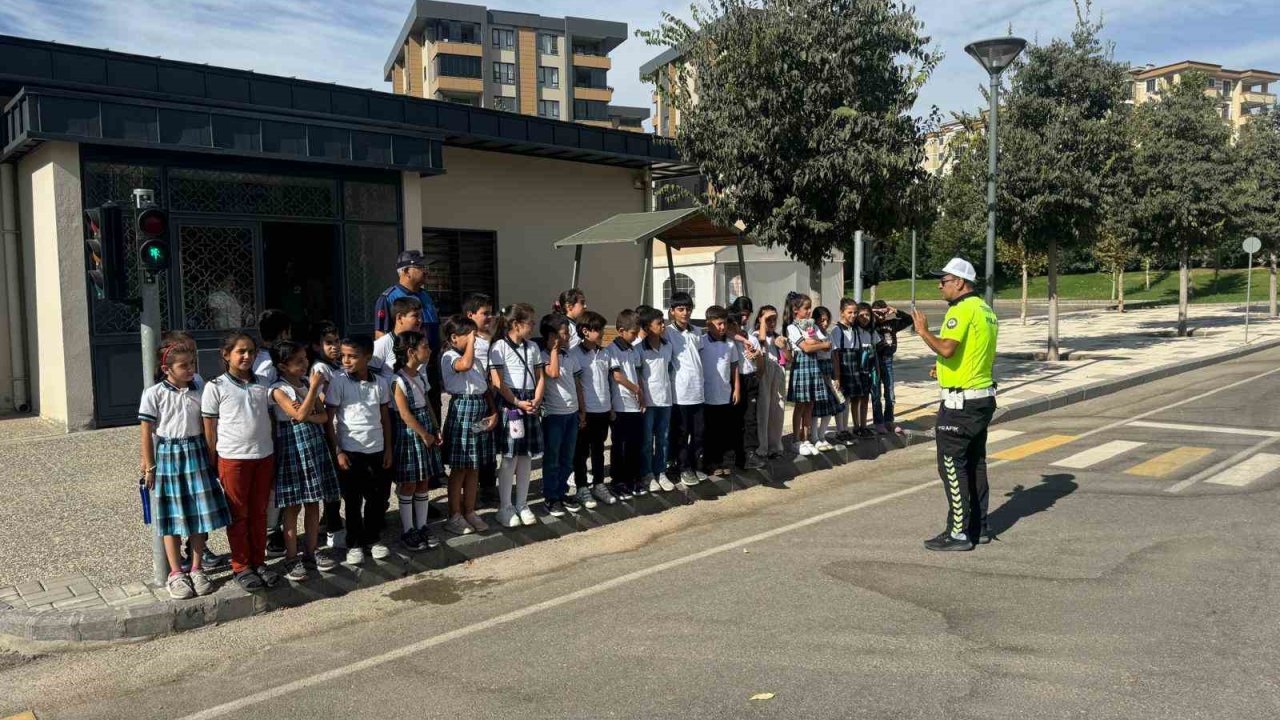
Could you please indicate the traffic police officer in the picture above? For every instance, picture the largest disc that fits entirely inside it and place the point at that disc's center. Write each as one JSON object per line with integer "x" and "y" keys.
{"x": 966, "y": 349}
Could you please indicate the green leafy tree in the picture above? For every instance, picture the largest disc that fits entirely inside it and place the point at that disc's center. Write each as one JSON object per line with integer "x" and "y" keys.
{"x": 1184, "y": 171}
{"x": 1258, "y": 189}
{"x": 959, "y": 229}
{"x": 1117, "y": 243}
{"x": 1060, "y": 136}
{"x": 798, "y": 112}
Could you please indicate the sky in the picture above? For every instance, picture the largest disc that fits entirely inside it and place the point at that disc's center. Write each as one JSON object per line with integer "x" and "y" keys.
{"x": 348, "y": 41}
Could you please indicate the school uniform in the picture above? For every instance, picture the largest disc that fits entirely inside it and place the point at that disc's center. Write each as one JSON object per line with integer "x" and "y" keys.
{"x": 188, "y": 498}
{"x": 882, "y": 395}
{"x": 331, "y": 519}
{"x": 855, "y": 347}
{"x": 560, "y": 425}
{"x": 366, "y": 486}
{"x": 827, "y": 405}
{"x": 687, "y": 413}
{"x": 246, "y": 465}
{"x": 659, "y": 393}
{"x": 805, "y": 383}
{"x": 598, "y": 405}
{"x": 720, "y": 362}
{"x": 466, "y": 448}
{"x": 304, "y": 466}
{"x": 414, "y": 461}
{"x": 264, "y": 369}
{"x": 770, "y": 409}
{"x": 574, "y": 338}
{"x": 745, "y": 431}
{"x": 487, "y": 480}
{"x": 384, "y": 356}
{"x": 518, "y": 366}
{"x": 628, "y": 415}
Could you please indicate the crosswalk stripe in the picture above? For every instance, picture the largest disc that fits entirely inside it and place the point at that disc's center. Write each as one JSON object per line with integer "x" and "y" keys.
{"x": 995, "y": 436}
{"x": 1247, "y": 471}
{"x": 1093, "y": 456}
{"x": 1019, "y": 452}
{"x": 1226, "y": 429}
{"x": 1166, "y": 463}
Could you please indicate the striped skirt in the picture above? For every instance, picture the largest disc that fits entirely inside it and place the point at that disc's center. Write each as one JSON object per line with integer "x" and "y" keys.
{"x": 415, "y": 462}
{"x": 531, "y": 444}
{"x": 464, "y": 448}
{"x": 826, "y": 404}
{"x": 188, "y": 498}
{"x": 305, "y": 471}
{"x": 805, "y": 383}
{"x": 855, "y": 373}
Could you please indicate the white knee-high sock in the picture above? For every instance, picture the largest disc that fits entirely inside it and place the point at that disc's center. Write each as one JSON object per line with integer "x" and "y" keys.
{"x": 420, "y": 510}
{"x": 506, "y": 478}
{"x": 823, "y": 425}
{"x": 406, "y": 512}
{"x": 524, "y": 468}
{"x": 842, "y": 420}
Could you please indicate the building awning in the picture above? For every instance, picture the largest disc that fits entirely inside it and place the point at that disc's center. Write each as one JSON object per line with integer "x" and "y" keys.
{"x": 679, "y": 229}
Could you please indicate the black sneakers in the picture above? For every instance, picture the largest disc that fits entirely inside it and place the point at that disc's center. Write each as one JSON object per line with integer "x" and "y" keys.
{"x": 945, "y": 542}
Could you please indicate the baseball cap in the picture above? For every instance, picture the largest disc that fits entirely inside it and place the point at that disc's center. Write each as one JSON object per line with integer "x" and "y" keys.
{"x": 410, "y": 258}
{"x": 960, "y": 268}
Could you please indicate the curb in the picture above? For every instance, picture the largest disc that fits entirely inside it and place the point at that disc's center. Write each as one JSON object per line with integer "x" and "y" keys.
{"x": 230, "y": 602}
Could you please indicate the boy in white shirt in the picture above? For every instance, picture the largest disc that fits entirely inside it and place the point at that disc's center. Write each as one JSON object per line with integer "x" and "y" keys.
{"x": 406, "y": 314}
{"x": 595, "y": 412}
{"x": 659, "y": 393}
{"x": 686, "y": 415}
{"x": 627, "y": 398}
{"x": 720, "y": 362}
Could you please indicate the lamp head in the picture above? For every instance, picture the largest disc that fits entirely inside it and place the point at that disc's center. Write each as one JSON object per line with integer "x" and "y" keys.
{"x": 996, "y": 54}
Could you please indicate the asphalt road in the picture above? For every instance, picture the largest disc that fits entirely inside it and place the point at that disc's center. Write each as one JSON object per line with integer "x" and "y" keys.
{"x": 1134, "y": 577}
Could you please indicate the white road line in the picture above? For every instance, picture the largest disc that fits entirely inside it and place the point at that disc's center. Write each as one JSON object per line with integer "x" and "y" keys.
{"x": 1247, "y": 471}
{"x": 269, "y": 694}
{"x": 1212, "y": 471}
{"x": 1093, "y": 456}
{"x": 995, "y": 436}
{"x": 1205, "y": 428}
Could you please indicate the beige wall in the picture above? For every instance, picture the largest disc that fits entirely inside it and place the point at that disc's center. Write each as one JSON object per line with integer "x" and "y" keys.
{"x": 530, "y": 203}
{"x": 56, "y": 294}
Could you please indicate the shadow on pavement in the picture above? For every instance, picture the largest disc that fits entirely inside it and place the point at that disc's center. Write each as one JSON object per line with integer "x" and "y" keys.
{"x": 1024, "y": 502}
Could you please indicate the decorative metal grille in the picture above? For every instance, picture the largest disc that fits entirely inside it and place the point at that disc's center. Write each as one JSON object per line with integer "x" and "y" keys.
{"x": 115, "y": 182}
{"x": 237, "y": 193}
{"x": 683, "y": 283}
{"x": 369, "y": 201}
{"x": 370, "y": 252}
{"x": 217, "y": 277}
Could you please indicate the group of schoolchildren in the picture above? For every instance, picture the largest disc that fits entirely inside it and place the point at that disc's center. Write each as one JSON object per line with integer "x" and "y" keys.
{"x": 322, "y": 429}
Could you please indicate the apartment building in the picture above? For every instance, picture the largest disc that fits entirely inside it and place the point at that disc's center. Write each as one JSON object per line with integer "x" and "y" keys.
{"x": 1242, "y": 94}
{"x": 555, "y": 68}
{"x": 662, "y": 72}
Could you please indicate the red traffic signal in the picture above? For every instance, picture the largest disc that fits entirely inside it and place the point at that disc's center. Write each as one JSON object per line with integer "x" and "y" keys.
{"x": 104, "y": 245}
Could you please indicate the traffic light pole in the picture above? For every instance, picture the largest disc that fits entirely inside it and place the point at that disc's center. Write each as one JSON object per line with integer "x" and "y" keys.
{"x": 857, "y": 266}
{"x": 149, "y": 333}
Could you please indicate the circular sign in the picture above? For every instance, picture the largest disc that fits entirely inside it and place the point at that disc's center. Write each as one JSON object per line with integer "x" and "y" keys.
{"x": 1252, "y": 245}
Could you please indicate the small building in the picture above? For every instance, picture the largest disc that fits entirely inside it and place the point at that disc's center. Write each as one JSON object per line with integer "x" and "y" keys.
{"x": 713, "y": 276}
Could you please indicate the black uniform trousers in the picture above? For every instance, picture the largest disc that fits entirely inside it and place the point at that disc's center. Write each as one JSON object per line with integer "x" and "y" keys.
{"x": 962, "y": 464}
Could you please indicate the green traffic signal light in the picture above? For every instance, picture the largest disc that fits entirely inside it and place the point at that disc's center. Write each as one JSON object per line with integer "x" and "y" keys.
{"x": 154, "y": 255}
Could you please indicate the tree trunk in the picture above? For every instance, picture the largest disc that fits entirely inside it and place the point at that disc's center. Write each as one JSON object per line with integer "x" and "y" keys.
{"x": 1120, "y": 284}
{"x": 1023, "y": 312}
{"x": 1113, "y": 285}
{"x": 1147, "y": 272}
{"x": 873, "y": 293}
{"x": 1272, "y": 293}
{"x": 1184, "y": 277}
{"x": 1052, "y": 353}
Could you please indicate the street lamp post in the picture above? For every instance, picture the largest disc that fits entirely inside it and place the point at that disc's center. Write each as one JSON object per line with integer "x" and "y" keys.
{"x": 994, "y": 55}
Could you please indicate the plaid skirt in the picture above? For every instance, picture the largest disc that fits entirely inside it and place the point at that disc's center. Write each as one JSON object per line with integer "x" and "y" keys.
{"x": 415, "y": 462}
{"x": 188, "y": 498}
{"x": 805, "y": 383}
{"x": 826, "y": 405}
{"x": 531, "y": 443}
{"x": 464, "y": 448}
{"x": 855, "y": 373}
{"x": 305, "y": 471}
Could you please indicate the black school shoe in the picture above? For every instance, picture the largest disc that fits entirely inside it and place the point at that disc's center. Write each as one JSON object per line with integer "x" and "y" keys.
{"x": 944, "y": 542}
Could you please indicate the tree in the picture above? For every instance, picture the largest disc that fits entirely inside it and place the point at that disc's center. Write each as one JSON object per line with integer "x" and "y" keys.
{"x": 959, "y": 229}
{"x": 1183, "y": 166}
{"x": 1117, "y": 244}
{"x": 1060, "y": 136}
{"x": 1258, "y": 189}
{"x": 1028, "y": 261}
{"x": 798, "y": 112}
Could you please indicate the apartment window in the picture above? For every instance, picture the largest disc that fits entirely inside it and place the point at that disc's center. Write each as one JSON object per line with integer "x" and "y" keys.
{"x": 505, "y": 39}
{"x": 453, "y": 31}
{"x": 590, "y": 110}
{"x": 1226, "y": 112}
{"x": 590, "y": 78}
{"x": 549, "y": 44}
{"x": 581, "y": 47}
{"x": 549, "y": 77}
{"x": 683, "y": 283}
{"x": 549, "y": 109}
{"x": 463, "y": 66}
{"x": 1226, "y": 87}
{"x": 1151, "y": 85}
{"x": 506, "y": 104}
{"x": 1213, "y": 83}
{"x": 504, "y": 73}
{"x": 459, "y": 262}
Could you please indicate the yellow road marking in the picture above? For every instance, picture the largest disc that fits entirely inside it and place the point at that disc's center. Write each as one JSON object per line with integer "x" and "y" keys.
{"x": 1162, "y": 465}
{"x": 28, "y": 715}
{"x": 1024, "y": 450}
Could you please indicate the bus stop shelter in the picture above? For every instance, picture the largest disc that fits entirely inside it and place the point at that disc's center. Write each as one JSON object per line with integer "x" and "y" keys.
{"x": 677, "y": 229}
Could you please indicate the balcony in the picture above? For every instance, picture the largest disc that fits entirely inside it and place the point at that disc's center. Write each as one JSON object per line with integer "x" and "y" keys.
{"x": 445, "y": 47}
{"x": 1250, "y": 99}
{"x": 604, "y": 94}
{"x": 591, "y": 60}
{"x": 451, "y": 84}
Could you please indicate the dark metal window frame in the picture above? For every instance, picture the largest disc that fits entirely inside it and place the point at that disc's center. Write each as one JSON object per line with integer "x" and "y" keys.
{"x": 454, "y": 250}
{"x": 504, "y": 38}
{"x": 547, "y": 73}
{"x": 504, "y": 73}
{"x": 546, "y": 108}
{"x": 459, "y": 66}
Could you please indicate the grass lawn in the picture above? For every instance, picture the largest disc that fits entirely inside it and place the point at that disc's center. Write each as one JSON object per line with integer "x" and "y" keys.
{"x": 1229, "y": 287}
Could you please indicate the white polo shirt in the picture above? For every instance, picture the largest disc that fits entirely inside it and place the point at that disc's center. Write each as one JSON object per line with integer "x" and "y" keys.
{"x": 624, "y": 358}
{"x": 325, "y": 369}
{"x": 574, "y": 338}
{"x": 415, "y": 388}
{"x": 796, "y": 336}
{"x": 853, "y": 338}
{"x": 472, "y": 382}
{"x": 243, "y": 413}
{"x": 517, "y": 364}
{"x": 560, "y": 396}
{"x": 688, "y": 363}
{"x": 718, "y": 359}
{"x": 384, "y": 354}
{"x": 359, "y": 404}
{"x": 595, "y": 379}
{"x": 747, "y": 368}
{"x": 265, "y": 369}
{"x": 657, "y": 367}
{"x": 293, "y": 394}
{"x": 174, "y": 411}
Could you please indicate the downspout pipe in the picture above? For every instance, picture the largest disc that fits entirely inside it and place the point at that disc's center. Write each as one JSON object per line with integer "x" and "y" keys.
{"x": 13, "y": 280}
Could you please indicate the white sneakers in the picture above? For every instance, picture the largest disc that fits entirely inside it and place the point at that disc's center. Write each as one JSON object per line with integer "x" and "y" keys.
{"x": 355, "y": 556}
{"x": 665, "y": 483}
{"x": 527, "y": 517}
{"x": 823, "y": 446}
{"x": 379, "y": 551}
{"x": 806, "y": 448}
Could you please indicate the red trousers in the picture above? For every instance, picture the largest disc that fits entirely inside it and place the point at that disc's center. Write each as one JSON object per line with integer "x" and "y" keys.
{"x": 247, "y": 485}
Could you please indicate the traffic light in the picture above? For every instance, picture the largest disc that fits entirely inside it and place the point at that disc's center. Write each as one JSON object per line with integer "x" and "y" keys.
{"x": 104, "y": 242}
{"x": 873, "y": 262}
{"x": 152, "y": 224}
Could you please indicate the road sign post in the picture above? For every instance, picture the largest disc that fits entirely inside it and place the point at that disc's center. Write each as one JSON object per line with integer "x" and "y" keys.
{"x": 1251, "y": 246}
{"x": 149, "y": 333}
{"x": 857, "y": 265}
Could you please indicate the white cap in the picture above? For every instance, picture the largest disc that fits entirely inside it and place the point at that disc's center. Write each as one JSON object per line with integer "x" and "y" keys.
{"x": 960, "y": 268}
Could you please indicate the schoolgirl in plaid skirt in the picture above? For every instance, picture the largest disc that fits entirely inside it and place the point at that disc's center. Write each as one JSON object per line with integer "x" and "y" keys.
{"x": 806, "y": 384}
{"x": 175, "y": 466}
{"x": 305, "y": 472}
{"x": 417, "y": 440}
{"x": 515, "y": 371}
{"x": 468, "y": 428}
